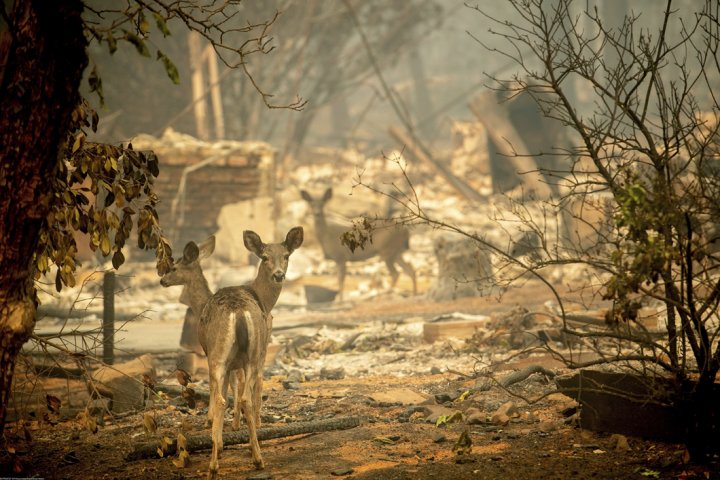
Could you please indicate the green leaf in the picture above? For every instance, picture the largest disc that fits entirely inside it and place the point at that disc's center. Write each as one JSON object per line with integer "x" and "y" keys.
{"x": 170, "y": 68}
{"x": 143, "y": 24}
{"x": 161, "y": 24}
{"x": 138, "y": 42}
{"x": 95, "y": 83}
{"x": 111, "y": 43}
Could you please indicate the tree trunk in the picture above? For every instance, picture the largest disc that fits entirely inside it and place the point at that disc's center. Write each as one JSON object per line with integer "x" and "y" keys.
{"x": 41, "y": 65}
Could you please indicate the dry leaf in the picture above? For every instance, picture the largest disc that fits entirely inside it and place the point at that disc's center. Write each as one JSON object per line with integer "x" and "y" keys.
{"x": 182, "y": 460}
{"x": 148, "y": 381}
{"x": 149, "y": 424}
{"x": 181, "y": 442}
{"x": 183, "y": 377}
{"x": 91, "y": 424}
{"x": 164, "y": 445}
{"x": 53, "y": 403}
{"x": 189, "y": 395}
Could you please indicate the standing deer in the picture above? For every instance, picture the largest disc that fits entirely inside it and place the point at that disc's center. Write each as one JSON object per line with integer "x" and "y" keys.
{"x": 387, "y": 243}
{"x": 195, "y": 294}
{"x": 235, "y": 328}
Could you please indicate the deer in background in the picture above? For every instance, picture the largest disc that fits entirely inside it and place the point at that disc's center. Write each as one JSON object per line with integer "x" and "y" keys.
{"x": 387, "y": 243}
{"x": 235, "y": 328}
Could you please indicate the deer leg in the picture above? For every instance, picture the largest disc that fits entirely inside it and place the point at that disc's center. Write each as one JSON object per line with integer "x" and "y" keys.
{"x": 409, "y": 270}
{"x": 249, "y": 409}
{"x": 257, "y": 399}
{"x": 217, "y": 382}
{"x": 341, "y": 278}
{"x": 390, "y": 262}
{"x": 237, "y": 379}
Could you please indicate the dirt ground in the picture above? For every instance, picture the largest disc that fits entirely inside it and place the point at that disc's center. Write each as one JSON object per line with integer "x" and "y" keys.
{"x": 394, "y": 440}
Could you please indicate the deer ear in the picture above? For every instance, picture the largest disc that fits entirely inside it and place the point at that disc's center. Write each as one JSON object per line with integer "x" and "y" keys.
{"x": 207, "y": 247}
{"x": 253, "y": 242}
{"x": 294, "y": 238}
{"x": 328, "y": 194}
{"x": 305, "y": 196}
{"x": 190, "y": 253}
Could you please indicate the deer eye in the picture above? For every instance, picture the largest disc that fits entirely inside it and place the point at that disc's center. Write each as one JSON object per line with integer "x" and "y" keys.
{"x": 265, "y": 258}
{"x": 287, "y": 257}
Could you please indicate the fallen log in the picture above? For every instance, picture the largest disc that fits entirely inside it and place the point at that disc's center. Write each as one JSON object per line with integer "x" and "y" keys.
{"x": 204, "y": 442}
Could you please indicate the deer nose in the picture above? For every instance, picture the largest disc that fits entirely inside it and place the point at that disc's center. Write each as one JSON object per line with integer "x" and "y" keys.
{"x": 279, "y": 276}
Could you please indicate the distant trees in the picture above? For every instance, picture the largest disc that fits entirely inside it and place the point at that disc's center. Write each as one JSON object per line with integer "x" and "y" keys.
{"x": 317, "y": 52}
{"x": 639, "y": 202}
{"x": 648, "y": 140}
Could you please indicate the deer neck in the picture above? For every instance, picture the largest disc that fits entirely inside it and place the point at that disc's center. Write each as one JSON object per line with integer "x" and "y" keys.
{"x": 196, "y": 294}
{"x": 320, "y": 222}
{"x": 266, "y": 289}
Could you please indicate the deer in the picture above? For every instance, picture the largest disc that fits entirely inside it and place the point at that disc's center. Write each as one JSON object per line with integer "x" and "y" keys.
{"x": 387, "y": 243}
{"x": 234, "y": 331}
{"x": 196, "y": 293}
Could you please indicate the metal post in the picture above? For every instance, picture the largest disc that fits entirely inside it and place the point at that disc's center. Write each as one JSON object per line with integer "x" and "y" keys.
{"x": 108, "y": 317}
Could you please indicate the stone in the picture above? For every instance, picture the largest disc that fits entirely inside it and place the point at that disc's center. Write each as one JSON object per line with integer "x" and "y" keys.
{"x": 619, "y": 442}
{"x": 439, "y": 438}
{"x": 503, "y": 413}
{"x": 332, "y": 373}
{"x": 123, "y": 384}
{"x": 445, "y": 397}
{"x": 547, "y": 426}
{"x": 433, "y": 412}
{"x": 342, "y": 471}
{"x": 475, "y": 416}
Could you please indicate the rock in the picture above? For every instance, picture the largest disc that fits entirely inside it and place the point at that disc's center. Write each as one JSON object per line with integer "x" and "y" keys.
{"x": 445, "y": 397}
{"x": 399, "y": 396}
{"x": 500, "y": 419}
{"x": 547, "y": 426}
{"x": 619, "y": 442}
{"x": 123, "y": 383}
{"x": 342, "y": 471}
{"x": 332, "y": 373}
{"x": 502, "y": 415}
{"x": 287, "y": 385}
{"x": 435, "y": 371}
{"x": 295, "y": 376}
{"x": 439, "y": 438}
{"x": 475, "y": 416}
{"x": 433, "y": 412}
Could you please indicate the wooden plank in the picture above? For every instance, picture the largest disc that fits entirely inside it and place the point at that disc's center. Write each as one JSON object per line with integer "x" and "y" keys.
{"x": 510, "y": 144}
{"x": 433, "y": 331}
